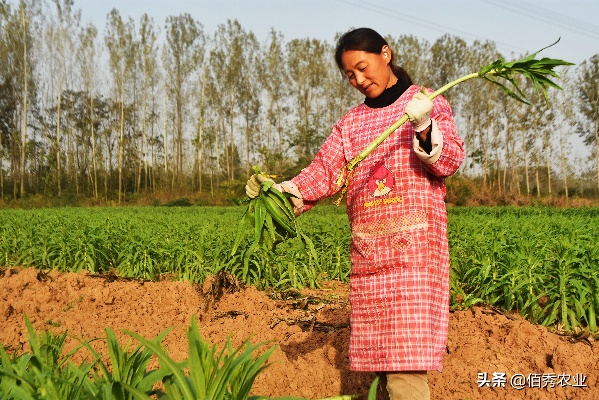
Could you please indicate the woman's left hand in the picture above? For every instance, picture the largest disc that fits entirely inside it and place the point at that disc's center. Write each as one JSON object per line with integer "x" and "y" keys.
{"x": 419, "y": 111}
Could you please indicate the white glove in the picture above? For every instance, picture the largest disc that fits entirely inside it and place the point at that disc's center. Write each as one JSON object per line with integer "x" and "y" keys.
{"x": 419, "y": 111}
{"x": 296, "y": 200}
{"x": 252, "y": 188}
{"x": 254, "y": 185}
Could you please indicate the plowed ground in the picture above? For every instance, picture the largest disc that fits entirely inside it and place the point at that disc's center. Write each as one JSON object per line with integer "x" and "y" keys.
{"x": 310, "y": 329}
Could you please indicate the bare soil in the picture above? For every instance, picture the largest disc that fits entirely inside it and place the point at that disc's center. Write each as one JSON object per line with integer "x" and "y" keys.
{"x": 310, "y": 329}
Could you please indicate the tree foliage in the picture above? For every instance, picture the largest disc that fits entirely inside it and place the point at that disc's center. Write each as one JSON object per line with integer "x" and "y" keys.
{"x": 148, "y": 110}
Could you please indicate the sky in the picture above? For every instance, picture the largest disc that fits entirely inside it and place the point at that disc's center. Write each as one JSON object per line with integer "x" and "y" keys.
{"x": 517, "y": 27}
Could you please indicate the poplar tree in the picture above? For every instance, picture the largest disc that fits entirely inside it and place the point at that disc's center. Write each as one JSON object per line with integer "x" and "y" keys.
{"x": 60, "y": 37}
{"x": 588, "y": 106}
{"x": 565, "y": 126}
{"x": 274, "y": 80}
{"x": 412, "y": 53}
{"x": 4, "y": 104}
{"x": 249, "y": 102}
{"x": 226, "y": 63}
{"x": 19, "y": 28}
{"x": 447, "y": 64}
{"x": 87, "y": 64}
{"x": 148, "y": 61}
{"x": 184, "y": 51}
{"x": 481, "y": 112}
{"x": 119, "y": 39}
{"x": 339, "y": 95}
{"x": 307, "y": 64}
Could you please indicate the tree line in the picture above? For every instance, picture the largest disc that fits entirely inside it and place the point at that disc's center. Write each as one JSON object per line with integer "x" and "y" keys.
{"x": 142, "y": 107}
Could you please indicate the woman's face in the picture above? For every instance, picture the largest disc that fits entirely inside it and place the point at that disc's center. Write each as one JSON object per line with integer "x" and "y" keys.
{"x": 370, "y": 73}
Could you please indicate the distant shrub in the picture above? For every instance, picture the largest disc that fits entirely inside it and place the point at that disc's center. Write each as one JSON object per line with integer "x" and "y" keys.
{"x": 180, "y": 202}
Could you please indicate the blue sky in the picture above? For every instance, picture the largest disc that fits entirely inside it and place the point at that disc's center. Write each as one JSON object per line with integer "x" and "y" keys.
{"x": 516, "y": 26}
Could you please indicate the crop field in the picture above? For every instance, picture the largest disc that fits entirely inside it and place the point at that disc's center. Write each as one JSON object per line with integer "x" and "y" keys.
{"x": 541, "y": 262}
{"x": 537, "y": 262}
{"x": 185, "y": 243}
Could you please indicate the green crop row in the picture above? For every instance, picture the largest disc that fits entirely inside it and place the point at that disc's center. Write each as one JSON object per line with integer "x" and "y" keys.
{"x": 542, "y": 262}
{"x": 187, "y": 243}
{"x": 46, "y": 371}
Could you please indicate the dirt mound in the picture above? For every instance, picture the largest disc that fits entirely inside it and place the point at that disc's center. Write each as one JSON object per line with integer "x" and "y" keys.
{"x": 489, "y": 354}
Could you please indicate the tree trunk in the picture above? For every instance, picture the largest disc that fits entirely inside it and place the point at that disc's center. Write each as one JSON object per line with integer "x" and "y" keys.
{"x": 525, "y": 155}
{"x": 1, "y": 172}
{"x": 201, "y": 139}
{"x": 165, "y": 136}
{"x": 537, "y": 167}
{"x": 548, "y": 161}
{"x": 120, "y": 150}
{"x": 247, "y": 141}
{"x": 24, "y": 108}
{"x": 93, "y": 134}
{"x": 58, "y": 166}
{"x": 179, "y": 139}
{"x": 142, "y": 146}
{"x": 563, "y": 163}
{"x": 597, "y": 152}
{"x": 71, "y": 151}
{"x": 538, "y": 182}
{"x": 229, "y": 142}
{"x": 507, "y": 160}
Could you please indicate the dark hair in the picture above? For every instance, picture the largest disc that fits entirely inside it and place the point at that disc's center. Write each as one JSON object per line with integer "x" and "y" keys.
{"x": 370, "y": 41}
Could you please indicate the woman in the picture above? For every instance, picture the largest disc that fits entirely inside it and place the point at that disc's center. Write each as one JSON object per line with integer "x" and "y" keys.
{"x": 399, "y": 282}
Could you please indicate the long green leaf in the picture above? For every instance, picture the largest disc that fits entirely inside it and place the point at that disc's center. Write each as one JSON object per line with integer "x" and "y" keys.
{"x": 176, "y": 369}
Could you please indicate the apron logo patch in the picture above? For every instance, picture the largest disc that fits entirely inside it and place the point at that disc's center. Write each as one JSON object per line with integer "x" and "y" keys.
{"x": 381, "y": 181}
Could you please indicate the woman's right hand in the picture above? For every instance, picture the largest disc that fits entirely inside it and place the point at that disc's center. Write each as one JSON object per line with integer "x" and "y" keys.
{"x": 253, "y": 185}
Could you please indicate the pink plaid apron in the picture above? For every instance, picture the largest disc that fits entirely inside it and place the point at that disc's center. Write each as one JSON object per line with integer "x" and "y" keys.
{"x": 400, "y": 258}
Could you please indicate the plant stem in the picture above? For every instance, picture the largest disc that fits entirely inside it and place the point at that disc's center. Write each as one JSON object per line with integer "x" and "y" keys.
{"x": 387, "y": 132}
{"x": 448, "y": 86}
{"x": 404, "y": 118}
{"x": 537, "y": 71}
